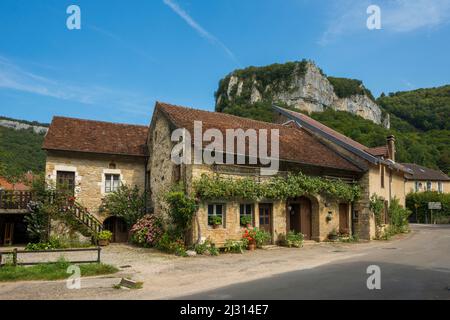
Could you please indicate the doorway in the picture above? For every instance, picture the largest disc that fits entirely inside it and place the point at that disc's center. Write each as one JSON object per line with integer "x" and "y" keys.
{"x": 300, "y": 216}
{"x": 118, "y": 227}
{"x": 265, "y": 217}
{"x": 343, "y": 219}
{"x": 13, "y": 229}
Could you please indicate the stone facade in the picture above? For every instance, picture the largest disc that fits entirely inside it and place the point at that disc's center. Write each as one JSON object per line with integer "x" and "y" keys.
{"x": 90, "y": 170}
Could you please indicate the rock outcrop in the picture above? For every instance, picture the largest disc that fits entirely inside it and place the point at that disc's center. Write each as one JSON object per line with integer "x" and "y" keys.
{"x": 301, "y": 85}
{"x": 16, "y": 125}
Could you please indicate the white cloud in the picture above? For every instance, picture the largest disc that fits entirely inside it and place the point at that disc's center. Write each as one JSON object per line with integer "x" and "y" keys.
{"x": 397, "y": 16}
{"x": 198, "y": 28}
{"x": 14, "y": 77}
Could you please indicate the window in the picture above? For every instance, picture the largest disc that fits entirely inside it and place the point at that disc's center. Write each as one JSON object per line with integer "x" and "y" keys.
{"x": 417, "y": 186}
{"x": 112, "y": 182}
{"x": 66, "y": 181}
{"x": 382, "y": 176}
{"x": 216, "y": 210}
{"x": 428, "y": 185}
{"x": 246, "y": 213}
{"x": 440, "y": 187}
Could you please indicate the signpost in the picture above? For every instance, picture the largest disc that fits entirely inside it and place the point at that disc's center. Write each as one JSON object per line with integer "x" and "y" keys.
{"x": 433, "y": 206}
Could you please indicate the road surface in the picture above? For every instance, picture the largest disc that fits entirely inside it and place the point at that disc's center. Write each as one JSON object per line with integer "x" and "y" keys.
{"x": 415, "y": 268}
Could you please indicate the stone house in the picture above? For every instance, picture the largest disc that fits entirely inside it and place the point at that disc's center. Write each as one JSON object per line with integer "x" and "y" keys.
{"x": 382, "y": 175}
{"x": 95, "y": 157}
{"x": 92, "y": 158}
{"x": 300, "y": 151}
{"x": 425, "y": 179}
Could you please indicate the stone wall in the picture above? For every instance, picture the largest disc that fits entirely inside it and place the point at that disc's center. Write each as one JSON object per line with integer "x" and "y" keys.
{"x": 90, "y": 170}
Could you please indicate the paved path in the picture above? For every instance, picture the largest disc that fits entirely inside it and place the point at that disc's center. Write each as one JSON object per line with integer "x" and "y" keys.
{"x": 418, "y": 268}
{"x": 416, "y": 265}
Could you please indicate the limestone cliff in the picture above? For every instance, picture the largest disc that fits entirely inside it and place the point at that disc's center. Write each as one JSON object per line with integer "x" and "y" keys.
{"x": 301, "y": 85}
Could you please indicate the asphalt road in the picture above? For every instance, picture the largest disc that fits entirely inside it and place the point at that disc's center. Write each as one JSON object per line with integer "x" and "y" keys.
{"x": 415, "y": 268}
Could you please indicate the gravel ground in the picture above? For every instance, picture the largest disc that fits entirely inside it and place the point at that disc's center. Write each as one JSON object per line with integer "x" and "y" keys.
{"x": 167, "y": 276}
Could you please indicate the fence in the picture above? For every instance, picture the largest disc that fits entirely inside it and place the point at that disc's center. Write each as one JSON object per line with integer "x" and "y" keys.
{"x": 11, "y": 199}
{"x": 16, "y": 252}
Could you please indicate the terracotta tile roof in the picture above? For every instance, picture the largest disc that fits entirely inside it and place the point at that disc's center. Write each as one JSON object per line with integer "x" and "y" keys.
{"x": 79, "y": 135}
{"x": 424, "y": 173}
{"x": 6, "y": 185}
{"x": 296, "y": 144}
{"x": 381, "y": 151}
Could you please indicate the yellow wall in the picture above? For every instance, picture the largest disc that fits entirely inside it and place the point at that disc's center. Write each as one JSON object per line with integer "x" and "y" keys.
{"x": 90, "y": 170}
{"x": 410, "y": 186}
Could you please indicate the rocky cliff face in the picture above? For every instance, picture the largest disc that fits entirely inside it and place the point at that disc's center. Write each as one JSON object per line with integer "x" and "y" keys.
{"x": 301, "y": 85}
{"x": 16, "y": 125}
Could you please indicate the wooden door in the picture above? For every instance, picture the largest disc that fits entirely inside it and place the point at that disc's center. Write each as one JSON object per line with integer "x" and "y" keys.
{"x": 9, "y": 234}
{"x": 305, "y": 218}
{"x": 343, "y": 218}
{"x": 265, "y": 217}
{"x": 66, "y": 181}
{"x": 294, "y": 217}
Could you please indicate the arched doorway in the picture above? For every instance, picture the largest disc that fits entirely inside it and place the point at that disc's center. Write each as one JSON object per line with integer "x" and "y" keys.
{"x": 118, "y": 227}
{"x": 300, "y": 216}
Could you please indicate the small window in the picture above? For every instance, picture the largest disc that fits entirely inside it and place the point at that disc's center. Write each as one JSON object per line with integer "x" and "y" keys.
{"x": 417, "y": 186}
{"x": 246, "y": 213}
{"x": 216, "y": 214}
{"x": 428, "y": 185}
{"x": 112, "y": 182}
{"x": 440, "y": 187}
{"x": 382, "y": 176}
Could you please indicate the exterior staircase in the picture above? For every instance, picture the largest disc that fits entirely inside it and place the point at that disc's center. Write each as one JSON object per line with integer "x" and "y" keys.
{"x": 87, "y": 223}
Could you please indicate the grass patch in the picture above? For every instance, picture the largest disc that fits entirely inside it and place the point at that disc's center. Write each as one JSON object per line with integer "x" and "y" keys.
{"x": 52, "y": 271}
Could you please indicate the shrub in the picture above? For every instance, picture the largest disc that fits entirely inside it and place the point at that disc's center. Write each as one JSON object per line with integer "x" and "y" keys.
{"x": 182, "y": 208}
{"x": 418, "y": 204}
{"x": 292, "y": 239}
{"x": 168, "y": 243}
{"x": 105, "y": 235}
{"x": 127, "y": 203}
{"x": 262, "y": 237}
{"x": 235, "y": 246}
{"x": 398, "y": 217}
{"x": 206, "y": 247}
{"x": 147, "y": 231}
{"x": 57, "y": 242}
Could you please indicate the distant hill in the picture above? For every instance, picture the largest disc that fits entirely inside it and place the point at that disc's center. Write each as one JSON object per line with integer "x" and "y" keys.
{"x": 20, "y": 151}
{"x": 37, "y": 127}
{"x": 420, "y": 119}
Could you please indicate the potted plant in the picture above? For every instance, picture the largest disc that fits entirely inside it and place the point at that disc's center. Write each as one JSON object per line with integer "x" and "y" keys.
{"x": 215, "y": 221}
{"x": 250, "y": 237}
{"x": 104, "y": 237}
{"x": 246, "y": 220}
{"x": 333, "y": 235}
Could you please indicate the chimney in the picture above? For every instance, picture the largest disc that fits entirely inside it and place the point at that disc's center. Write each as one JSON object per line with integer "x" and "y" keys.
{"x": 391, "y": 147}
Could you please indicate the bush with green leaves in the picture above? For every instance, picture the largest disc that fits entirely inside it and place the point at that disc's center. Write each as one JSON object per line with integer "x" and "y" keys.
{"x": 169, "y": 243}
{"x": 126, "y": 202}
{"x": 206, "y": 247}
{"x": 215, "y": 220}
{"x": 105, "y": 235}
{"x": 181, "y": 211}
{"x": 235, "y": 246}
{"x": 291, "y": 239}
{"x": 262, "y": 237}
{"x": 147, "y": 231}
{"x": 417, "y": 203}
{"x": 398, "y": 216}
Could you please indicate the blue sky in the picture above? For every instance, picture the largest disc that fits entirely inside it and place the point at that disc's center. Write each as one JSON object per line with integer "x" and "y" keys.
{"x": 128, "y": 54}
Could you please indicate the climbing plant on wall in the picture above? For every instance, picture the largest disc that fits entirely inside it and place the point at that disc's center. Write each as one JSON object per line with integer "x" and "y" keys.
{"x": 280, "y": 188}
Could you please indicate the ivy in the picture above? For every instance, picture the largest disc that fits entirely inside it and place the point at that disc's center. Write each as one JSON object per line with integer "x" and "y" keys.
{"x": 280, "y": 188}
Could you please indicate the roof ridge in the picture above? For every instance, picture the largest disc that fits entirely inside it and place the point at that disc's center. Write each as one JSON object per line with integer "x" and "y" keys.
{"x": 100, "y": 121}
{"x": 223, "y": 114}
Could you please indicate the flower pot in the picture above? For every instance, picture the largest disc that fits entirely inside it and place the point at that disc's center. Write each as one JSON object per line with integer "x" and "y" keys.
{"x": 252, "y": 246}
{"x": 333, "y": 237}
{"x": 103, "y": 242}
{"x": 216, "y": 226}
